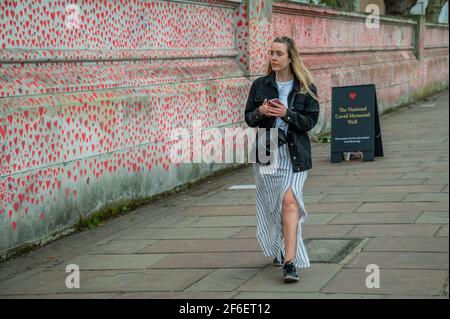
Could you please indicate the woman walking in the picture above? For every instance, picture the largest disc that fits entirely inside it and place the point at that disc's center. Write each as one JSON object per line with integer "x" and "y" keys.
{"x": 280, "y": 210}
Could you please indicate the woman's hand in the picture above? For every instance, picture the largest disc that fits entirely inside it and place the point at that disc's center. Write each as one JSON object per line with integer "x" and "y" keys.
{"x": 264, "y": 108}
{"x": 276, "y": 108}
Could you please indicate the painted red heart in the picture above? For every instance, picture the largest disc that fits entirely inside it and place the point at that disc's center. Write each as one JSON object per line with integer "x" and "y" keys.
{"x": 3, "y": 131}
{"x": 352, "y": 95}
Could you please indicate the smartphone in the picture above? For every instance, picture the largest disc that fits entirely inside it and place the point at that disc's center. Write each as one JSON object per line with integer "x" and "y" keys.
{"x": 274, "y": 100}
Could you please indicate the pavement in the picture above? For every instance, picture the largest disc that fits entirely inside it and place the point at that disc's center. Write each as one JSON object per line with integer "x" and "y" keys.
{"x": 201, "y": 243}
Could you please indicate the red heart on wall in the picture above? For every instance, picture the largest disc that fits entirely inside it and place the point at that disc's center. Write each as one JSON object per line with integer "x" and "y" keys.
{"x": 3, "y": 131}
{"x": 352, "y": 95}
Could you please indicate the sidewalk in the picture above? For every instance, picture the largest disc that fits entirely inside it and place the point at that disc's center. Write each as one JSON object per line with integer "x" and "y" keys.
{"x": 201, "y": 243}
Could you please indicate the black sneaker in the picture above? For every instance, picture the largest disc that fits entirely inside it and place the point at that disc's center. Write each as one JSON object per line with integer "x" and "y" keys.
{"x": 277, "y": 262}
{"x": 290, "y": 272}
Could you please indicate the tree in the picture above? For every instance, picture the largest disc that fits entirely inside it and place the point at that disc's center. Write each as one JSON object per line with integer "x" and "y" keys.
{"x": 399, "y": 7}
{"x": 341, "y": 4}
{"x": 434, "y": 9}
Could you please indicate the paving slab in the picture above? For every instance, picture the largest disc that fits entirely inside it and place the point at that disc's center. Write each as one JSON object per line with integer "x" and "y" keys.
{"x": 220, "y": 210}
{"x": 181, "y": 233}
{"x": 400, "y": 260}
{"x": 426, "y": 197}
{"x": 442, "y": 176}
{"x": 353, "y": 167}
{"x": 225, "y": 221}
{"x": 309, "y": 190}
{"x": 375, "y": 218}
{"x": 172, "y": 221}
{"x": 308, "y": 231}
{"x": 332, "y": 207}
{"x": 121, "y": 246}
{"x": 433, "y": 218}
{"x": 174, "y": 295}
{"x": 100, "y": 262}
{"x": 363, "y": 198}
{"x": 392, "y": 282}
{"x": 73, "y": 295}
{"x": 405, "y": 189}
{"x": 443, "y": 231}
{"x": 247, "y": 193}
{"x": 247, "y": 232}
{"x": 363, "y": 170}
{"x": 300, "y": 295}
{"x": 146, "y": 280}
{"x": 127, "y": 295}
{"x": 213, "y": 260}
{"x": 403, "y": 244}
{"x": 201, "y": 245}
{"x": 412, "y": 297}
{"x": 223, "y": 280}
{"x": 312, "y": 279}
{"x": 219, "y": 200}
{"x": 403, "y": 207}
{"x": 437, "y": 168}
{"x": 36, "y": 281}
{"x": 435, "y": 181}
{"x": 315, "y": 231}
{"x": 310, "y": 199}
{"x": 319, "y": 219}
{"x": 364, "y": 182}
{"x": 394, "y": 230}
{"x": 356, "y": 177}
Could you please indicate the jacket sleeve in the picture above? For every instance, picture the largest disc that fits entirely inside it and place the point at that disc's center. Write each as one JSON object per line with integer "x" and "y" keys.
{"x": 307, "y": 119}
{"x": 252, "y": 115}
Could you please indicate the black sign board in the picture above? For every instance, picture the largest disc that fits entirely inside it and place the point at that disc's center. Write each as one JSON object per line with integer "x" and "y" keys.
{"x": 355, "y": 124}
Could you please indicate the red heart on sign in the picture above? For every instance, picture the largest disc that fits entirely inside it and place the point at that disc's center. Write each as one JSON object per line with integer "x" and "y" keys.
{"x": 352, "y": 95}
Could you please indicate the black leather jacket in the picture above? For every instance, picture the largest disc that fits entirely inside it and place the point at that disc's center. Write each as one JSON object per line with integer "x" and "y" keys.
{"x": 301, "y": 115}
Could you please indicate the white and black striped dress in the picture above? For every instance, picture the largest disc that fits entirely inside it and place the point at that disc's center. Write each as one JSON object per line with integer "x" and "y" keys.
{"x": 271, "y": 185}
{"x": 272, "y": 182}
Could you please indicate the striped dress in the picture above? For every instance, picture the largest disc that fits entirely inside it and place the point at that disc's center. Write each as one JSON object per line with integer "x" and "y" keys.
{"x": 272, "y": 182}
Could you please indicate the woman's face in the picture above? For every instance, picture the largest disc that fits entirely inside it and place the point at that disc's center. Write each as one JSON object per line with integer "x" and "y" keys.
{"x": 279, "y": 57}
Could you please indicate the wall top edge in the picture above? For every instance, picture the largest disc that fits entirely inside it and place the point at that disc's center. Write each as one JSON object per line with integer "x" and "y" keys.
{"x": 437, "y": 25}
{"x": 224, "y": 3}
{"x": 286, "y": 6}
{"x": 58, "y": 55}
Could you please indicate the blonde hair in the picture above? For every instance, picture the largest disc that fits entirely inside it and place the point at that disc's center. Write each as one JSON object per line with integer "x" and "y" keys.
{"x": 296, "y": 65}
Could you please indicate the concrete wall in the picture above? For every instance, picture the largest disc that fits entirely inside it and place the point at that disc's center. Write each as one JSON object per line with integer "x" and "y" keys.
{"x": 86, "y": 113}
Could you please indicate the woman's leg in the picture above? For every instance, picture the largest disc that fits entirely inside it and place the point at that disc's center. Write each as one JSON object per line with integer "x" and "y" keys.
{"x": 290, "y": 223}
